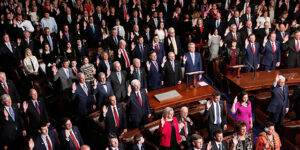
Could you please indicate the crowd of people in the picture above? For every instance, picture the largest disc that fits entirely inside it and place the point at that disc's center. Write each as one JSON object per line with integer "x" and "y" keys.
{"x": 107, "y": 54}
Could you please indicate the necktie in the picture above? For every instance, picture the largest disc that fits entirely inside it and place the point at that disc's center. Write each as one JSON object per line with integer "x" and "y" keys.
{"x": 27, "y": 40}
{"x": 228, "y": 4}
{"x": 48, "y": 143}
{"x": 155, "y": 64}
{"x": 126, "y": 58}
{"x": 141, "y": 13}
{"x": 173, "y": 67}
{"x": 218, "y": 23}
{"x": 118, "y": 30}
{"x": 5, "y": 88}
{"x": 220, "y": 146}
{"x": 119, "y": 77}
{"x": 142, "y": 51}
{"x": 181, "y": 4}
{"x": 9, "y": 47}
{"x": 138, "y": 74}
{"x": 85, "y": 89}
{"x": 218, "y": 114}
{"x": 234, "y": 36}
{"x": 75, "y": 70}
{"x": 174, "y": 46}
{"x": 193, "y": 58}
{"x": 283, "y": 35}
{"x": 273, "y": 48}
{"x": 12, "y": 114}
{"x": 297, "y": 47}
{"x": 50, "y": 42}
{"x": 99, "y": 16}
{"x": 157, "y": 47}
{"x": 116, "y": 40}
{"x": 67, "y": 73}
{"x": 125, "y": 12}
{"x": 67, "y": 35}
{"x": 237, "y": 22}
{"x": 37, "y": 107}
{"x": 147, "y": 34}
{"x": 116, "y": 117}
{"x": 249, "y": 32}
{"x": 287, "y": 6}
{"x": 33, "y": 68}
{"x": 253, "y": 50}
{"x": 185, "y": 128}
{"x": 93, "y": 28}
{"x": 139, "y": 97}
{"x": 69, "y": 19}
{"x": 74, "y": 140}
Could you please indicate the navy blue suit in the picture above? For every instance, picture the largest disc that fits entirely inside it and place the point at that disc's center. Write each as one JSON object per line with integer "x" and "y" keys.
{"x": 137, "y": 114}
{"x": 40, "y": 145}
{"x": 279, "y": 37}
{"x": 250, "y": 58}
{"x": 103, "y": 68}
{"x": 154, "y": 76}
{"x": 270, "y": 59}
{"x": 160, "y": 55}
{"x": 85, "y": 102}
{"x": 279, "y": 102}
{"x": 101, "y": 94}
{"x": 189, "y": 66}
{"x": 69, "y": 144}
{"x": 93, "y": 37}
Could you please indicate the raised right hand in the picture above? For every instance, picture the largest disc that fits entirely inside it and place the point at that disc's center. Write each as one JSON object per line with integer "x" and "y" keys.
{"x": 235, "y": 100}
{"x": 25, "y": 106}
{"x": 208, "y": 104}
{"x": 104, "y": 110}
{"x": 162, "y": 121}
{"x": 74, "y": 87}
{"x": 131, "y": 68}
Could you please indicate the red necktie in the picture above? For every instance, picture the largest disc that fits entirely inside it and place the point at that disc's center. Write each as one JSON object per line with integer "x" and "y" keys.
{"x": 287, "y": 6}
{"x": 140, "y": 12}
{"x": 5, "y": 88}
{"x": 74, "y": 140}
{"x": 116, "y": 117}
{"x": 298, "y": 46}
{"x": 253, "y": 50}
{"x": 185, "y": 128}
{"x": 157, "y": 47}
{"x": 125, "y": 12}
{"x": 126, "y": 58}
{"x": 228, "y": 4}
{"x": 75, "y": 71}
{"x": 139, "y": 97}
{"x": 273, "y": 47}
{"x": 181, "y": 4}
{"x": 177, "y": 18}
{"x": 48, "y": 143}
{"x": 234, "y": 36}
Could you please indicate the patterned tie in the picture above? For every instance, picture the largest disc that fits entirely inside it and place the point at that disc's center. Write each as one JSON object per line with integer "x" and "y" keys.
{"x": 48, "y": 143}
{"x": 12, "y": 114}
{"x": 156, "y": 66}
{"x": 140, "y": 99}
{"x": 116, "y": 117}
{"x": 126, "y": 58}
{"x": 74, "y": 140}
{"x": 218, "y": 114}
{"x": 138, "y": 74}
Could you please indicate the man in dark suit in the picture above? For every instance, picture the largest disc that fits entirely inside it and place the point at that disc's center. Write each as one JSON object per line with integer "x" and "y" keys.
{"x": 219, "y": 24}
{"x": 46, "y": 140}
{"x": 28, "y": 42}
{"x": 139, "y": 142}
{"x": 158, "y": 47}
{"x": 124, "y": 10}
{"x": 118, "y": 81}
{"x": 64, "y": 75}
{"x": 114, "y": 116}
{"x": 247, "y": 16}
{"x": 216, "y": 114}
{"x": 171, "y": 70}
{"x": 263, "y": 32}
{"x": 139, "y": 73}
{"x": 140, "y": 50}
{"x": 8, "y": 87}
{"x": 251, "y": 53}
{"x": 188, "y": 123}
{"x": 35, "y": 111}
{"x": 281, "y": 33}
{"x": 235, "y": 19}
{"x": 218, "y": 142}
{"x": 98, "y": 16}
{"x": 138, "y": 105}
{"x": 70, "y": 136}
{"x": 192, "y": 61}
{"x": 173, "y": 44}
{"x": 147, "y": 35}
{"x": 93, "y": 33}
{"x": 51, "y": 40}
{"x": 233, "y": 34}
{"x": 293, "y": 45}
{"x": 10, "y": 54}
{"x": 123, "y": 56}
{"x": 81, "y": 50}
{"x": 114, "y": 143}
{"x": 246, "y": 31}
{"x": 197, "y": 143}
{"x": 154, "y": 22}
{"x": 66, "y": 36}
{"x": 155, "y": 78}
{"x": 69, "y": 18}
{"x": 102, "y": 90}
{"x": 11, "y": 124}
{"x": 296, "y": 94}
{"x": 272, "y": 53}
{"x": 113, "y": 40}
{"x": 82, "y": 92}
{"x": 280, "y": 103}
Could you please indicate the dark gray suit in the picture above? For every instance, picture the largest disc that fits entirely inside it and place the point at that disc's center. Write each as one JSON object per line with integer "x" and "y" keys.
{"x": 65, "y": 82}
{"x": 119, "y": 88}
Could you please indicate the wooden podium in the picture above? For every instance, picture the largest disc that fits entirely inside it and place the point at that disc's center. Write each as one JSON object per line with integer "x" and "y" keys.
{"x": 238, "y": 67}
{"x": 194, "y": 74}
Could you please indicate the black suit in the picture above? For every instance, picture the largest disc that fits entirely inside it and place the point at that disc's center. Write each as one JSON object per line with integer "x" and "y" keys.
{"x": 10, "y": 58}
{"x": 294, "y": 56}
{"x": 170, "y": 48}
{"x": 13, "y": 92}
{"x": 31, "y": 45}
{"x": 146, "y": 39}
{"x": 111, "y": 126}
{"x": 10, "y": 130}
{"x": 139, "y": 53}
{"x": 69, "y": 144}
{"x": 120, "y": 147}
{"x": 35, "y": 118}
{"x": 143, "y": 77}
{"x": 188, "y": 125}
{"x": 54, "y": 42}
{"x": 210, "y": 114}
{"x": 120, "y": 89}
{"x": 172, "y": 77}
{"x": 245, "y": 18}
{"x": 40, "y": 145}
{"x": 122, "y": 59}
{"x": 136, "y": 147}
{"x": 215, "y": 147}
{"x": 261, "y": 33}
{"x": 113, "y": 45}
{"x": 230, "y": 36}
{"x": 220, "y": 28}
{"x": 83, "y": 51}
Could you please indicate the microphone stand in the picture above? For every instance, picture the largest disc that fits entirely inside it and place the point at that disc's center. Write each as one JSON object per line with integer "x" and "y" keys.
{"x": 254, "y": 70}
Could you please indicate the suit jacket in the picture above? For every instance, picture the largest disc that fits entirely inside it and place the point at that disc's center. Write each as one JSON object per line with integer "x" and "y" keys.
{"x": 171, "y": 77}
{"x": 244, "y": 19}
{"x": 137, "y": 114}
{"x": 40, "y": 145}
{"x": 122, "y": 59}
{"x": 138, "y": 53}
{"x": 31, "y": 45}
{"x": 215, "y": 147}
{"x": 8, "y": 58}
{"x": 10, "y": 130}
{"x": 101, "y": 94}
{"x": 109, "y": 41}
{"x": 85, "y": 102}
{"x": 35, "y": 118}
{"x": 136, "y": 147}
{"x": 161, "y": 53}
{"x": 210, "y": 114}
{"x": 279, "y": 37}
{"x": 189, "y": 66}
{"x": 261, "y": 33}
{"x": 170, "y": 48}
{"x": 83, "y": 51}
{"x": 220, "y": 28}
{"x": 294, "y": 57}
{"x": 54, "y": 41}
{"x": 250, "y": 58}
{"x": 154, "y": 76}
{"x": 103, "y": 68}
{"x": 146, "y": 39}
{"x": 66, "y": 83}
{"x": 245, "y": 34}
{"x": 189, "y": 126}
{"x": 120, "y": 89}
{"x": 13, "y": 92}
{"x": 93, "y": 37}
{"x": 200, "y": 36}
{"x": 120, "y": 147}
{"x": 279, "y": 101}
{"x": 229, "y": 37}
{"x": 143, "y": 75}
{"x": 269, "y": 56}
{"x": 69, "y": 144}
{"x": 111, "y": 126}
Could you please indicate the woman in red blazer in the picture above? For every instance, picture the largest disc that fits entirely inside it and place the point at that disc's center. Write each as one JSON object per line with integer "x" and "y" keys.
{"x": 169, "y": 131}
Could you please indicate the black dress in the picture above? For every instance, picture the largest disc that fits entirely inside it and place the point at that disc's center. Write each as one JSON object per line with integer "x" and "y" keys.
{"x": 173, "y": 141}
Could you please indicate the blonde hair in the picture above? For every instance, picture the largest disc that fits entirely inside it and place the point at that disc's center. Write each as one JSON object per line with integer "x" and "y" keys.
{"x": 167, "y": 111}
{"x": 28, "y": 50}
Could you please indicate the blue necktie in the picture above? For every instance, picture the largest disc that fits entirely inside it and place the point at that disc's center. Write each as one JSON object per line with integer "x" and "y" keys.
{"x": 138, "y": 74}
{"x": 142, "y": 51}
{"x": 12, "y": 113}
{"x": 50, "y": 42}
{"x": 68, "y": 74}
{"x": 218, "y": 114}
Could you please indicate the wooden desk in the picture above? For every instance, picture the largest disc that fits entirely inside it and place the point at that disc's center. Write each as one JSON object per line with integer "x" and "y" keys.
{"x": 264, "y": 79}
{"x": 194, "y": 94}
